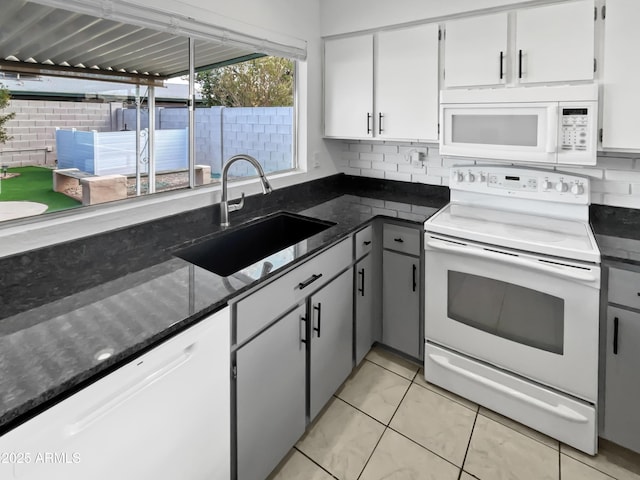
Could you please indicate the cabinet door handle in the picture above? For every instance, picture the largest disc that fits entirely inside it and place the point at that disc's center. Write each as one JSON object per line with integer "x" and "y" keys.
{"x": 501, "y": 65}
{"x": 361, "y": 289}
{"x": 519, "y": 63}
{"x": 380, "y": 129}
{"x": 368, "y": 123}
{"x": 415, "y": 279}
{"x": 318, "y": 308}
{"x": 615, "y": 335}
{"x": 399, "y": 240}
{"x": 368, "y": 242}
{"x": 303, "y": 330}
{"x": 309, "y": 281}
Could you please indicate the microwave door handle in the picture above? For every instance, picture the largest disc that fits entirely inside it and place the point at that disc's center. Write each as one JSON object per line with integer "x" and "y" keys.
{"x": 555, "y": 270}
{"x": 552, "y": 129}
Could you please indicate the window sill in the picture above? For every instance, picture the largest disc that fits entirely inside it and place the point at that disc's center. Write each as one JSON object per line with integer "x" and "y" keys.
{"x": 24, "y": 234}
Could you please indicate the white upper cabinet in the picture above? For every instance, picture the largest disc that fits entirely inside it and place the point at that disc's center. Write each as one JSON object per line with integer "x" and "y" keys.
{"x": 348, "y": 87}
{"x": 621, "y": 96}
{"x": 476, "y": 50}
{"x": 555, "y": 43}
{"x": 552, "y": 43}
{"x": 403, "y": 87}
{"x": 406, "y": 83}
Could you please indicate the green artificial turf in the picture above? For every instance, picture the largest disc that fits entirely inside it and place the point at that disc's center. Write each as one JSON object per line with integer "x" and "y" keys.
{"x": 34, "y": 184}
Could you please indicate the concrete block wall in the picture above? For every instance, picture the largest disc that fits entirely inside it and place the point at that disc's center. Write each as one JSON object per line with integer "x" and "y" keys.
{"x": 33, "y": 128}
{"x": 615, "y": 179}
{"x": 265, "y": 133}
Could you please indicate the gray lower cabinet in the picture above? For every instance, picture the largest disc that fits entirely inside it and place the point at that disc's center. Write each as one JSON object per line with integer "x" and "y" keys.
{"x": 271, "y": 376}
{"x": 401, "y": 302}
{"x": 364, "y": 298}
{"x": 622, "y": 387}
{"x": 331, "y": 358}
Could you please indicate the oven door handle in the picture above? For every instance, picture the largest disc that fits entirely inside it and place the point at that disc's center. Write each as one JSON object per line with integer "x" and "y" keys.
{"x": 561, "y": 411}
{"x": 515, "y": 260}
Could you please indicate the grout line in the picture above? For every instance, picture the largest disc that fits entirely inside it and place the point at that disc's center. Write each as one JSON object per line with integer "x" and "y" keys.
{"x": 314, "y": 462}
{"x": 593, "y": 467}
{"x": 387, "y": 369}
{"x": 399, "y": 403}
{"x": 559, "y": 463}
{"x": 386, "y": 427}
{"x": 423, "y": 447}
{"x": 469, "y": 443}
{"x": 356, "y": 408}
{"x": 372, "y": 452}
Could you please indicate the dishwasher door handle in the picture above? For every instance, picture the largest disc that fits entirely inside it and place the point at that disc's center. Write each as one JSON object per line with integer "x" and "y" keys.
{"x": 555, "y": 269}
{"x": 130, "y": 390}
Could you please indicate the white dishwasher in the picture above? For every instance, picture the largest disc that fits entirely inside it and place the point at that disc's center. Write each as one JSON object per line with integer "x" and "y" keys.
{"x": 164, "y": 416}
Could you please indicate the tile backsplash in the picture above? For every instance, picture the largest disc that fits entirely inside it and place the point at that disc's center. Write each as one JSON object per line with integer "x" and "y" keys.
{"x": 615, "y": 179}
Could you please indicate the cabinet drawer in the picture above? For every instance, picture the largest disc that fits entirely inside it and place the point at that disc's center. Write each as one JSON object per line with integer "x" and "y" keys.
{"x": 364, "y": 241}
{"x": 401, "y": 239}
{"x": 266, "y": 304}
{"x": 624, "y": 287}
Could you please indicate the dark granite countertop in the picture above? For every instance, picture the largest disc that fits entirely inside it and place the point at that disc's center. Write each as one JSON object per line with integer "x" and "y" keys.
{"x": 617, "y": 232}
{"x": 76, "y": 311}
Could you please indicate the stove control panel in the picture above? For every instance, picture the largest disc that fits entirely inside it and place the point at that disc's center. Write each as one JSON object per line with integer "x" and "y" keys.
{"x": 521, "y": 182}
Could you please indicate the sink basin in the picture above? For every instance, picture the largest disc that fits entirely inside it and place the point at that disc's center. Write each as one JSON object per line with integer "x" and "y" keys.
{"x": 232, "y": 251}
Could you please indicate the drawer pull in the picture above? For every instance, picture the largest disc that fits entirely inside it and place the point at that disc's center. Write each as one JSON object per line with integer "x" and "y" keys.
{"x": 368, "y": 242}
{"x": 318, "y": 308}
{"x": 399, "y": 240}
{"x": 309, "y": 281}
{"x": 615, "y": 335}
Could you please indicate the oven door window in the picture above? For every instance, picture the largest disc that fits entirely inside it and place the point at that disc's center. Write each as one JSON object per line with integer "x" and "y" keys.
{"x": 509, "y": 311}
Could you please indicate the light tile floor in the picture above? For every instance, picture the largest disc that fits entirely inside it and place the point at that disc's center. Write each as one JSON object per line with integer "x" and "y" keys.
{"x": 386, "y": 422}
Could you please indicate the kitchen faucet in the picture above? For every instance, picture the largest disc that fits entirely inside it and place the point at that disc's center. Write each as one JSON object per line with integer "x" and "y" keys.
{"x": 225, "y": 207}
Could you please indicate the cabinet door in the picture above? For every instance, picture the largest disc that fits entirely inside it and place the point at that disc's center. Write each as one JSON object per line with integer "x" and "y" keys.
{"x": 348, "y": 87}
{"x": 622, "y": 389}
{"x": 161, "y": 417}
{"x": 270, "y": 395}
{"x": 406, "y": 83}
{"x": 556, "y": 42}
{"x": 331, "y": 340}
{"x": 364, "y": 296}
{"x": 621, "y": 72}
{"x": 401, "y": 302}
{"x": 475, "y": 51}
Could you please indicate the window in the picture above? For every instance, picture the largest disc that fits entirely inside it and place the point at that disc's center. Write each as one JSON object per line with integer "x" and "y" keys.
{"x": 71, "y": 132}
{"x": 247, "y": 108}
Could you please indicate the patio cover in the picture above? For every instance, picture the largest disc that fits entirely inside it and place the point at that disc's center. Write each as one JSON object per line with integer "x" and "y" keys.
{"x": 112, "y": 41}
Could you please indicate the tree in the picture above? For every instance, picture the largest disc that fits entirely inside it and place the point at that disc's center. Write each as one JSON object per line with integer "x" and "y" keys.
{"x": 263, "y": 82}
{"x": 4, "y": 103}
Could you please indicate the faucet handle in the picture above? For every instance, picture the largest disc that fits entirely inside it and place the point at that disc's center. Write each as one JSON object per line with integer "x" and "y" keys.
{"x": 237, "y": 206}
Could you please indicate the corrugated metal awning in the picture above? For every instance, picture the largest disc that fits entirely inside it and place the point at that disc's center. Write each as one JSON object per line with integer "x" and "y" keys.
{"x": 49, "y": 40}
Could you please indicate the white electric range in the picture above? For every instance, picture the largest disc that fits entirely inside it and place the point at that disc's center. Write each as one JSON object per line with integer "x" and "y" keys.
{"x": 512, "y": 298}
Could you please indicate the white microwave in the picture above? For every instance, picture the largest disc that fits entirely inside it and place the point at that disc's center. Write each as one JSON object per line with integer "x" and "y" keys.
{"x": 552, "y": 125}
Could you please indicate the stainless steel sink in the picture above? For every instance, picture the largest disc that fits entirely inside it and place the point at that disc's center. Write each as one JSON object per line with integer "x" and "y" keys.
{"x": 230, "y": 252}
